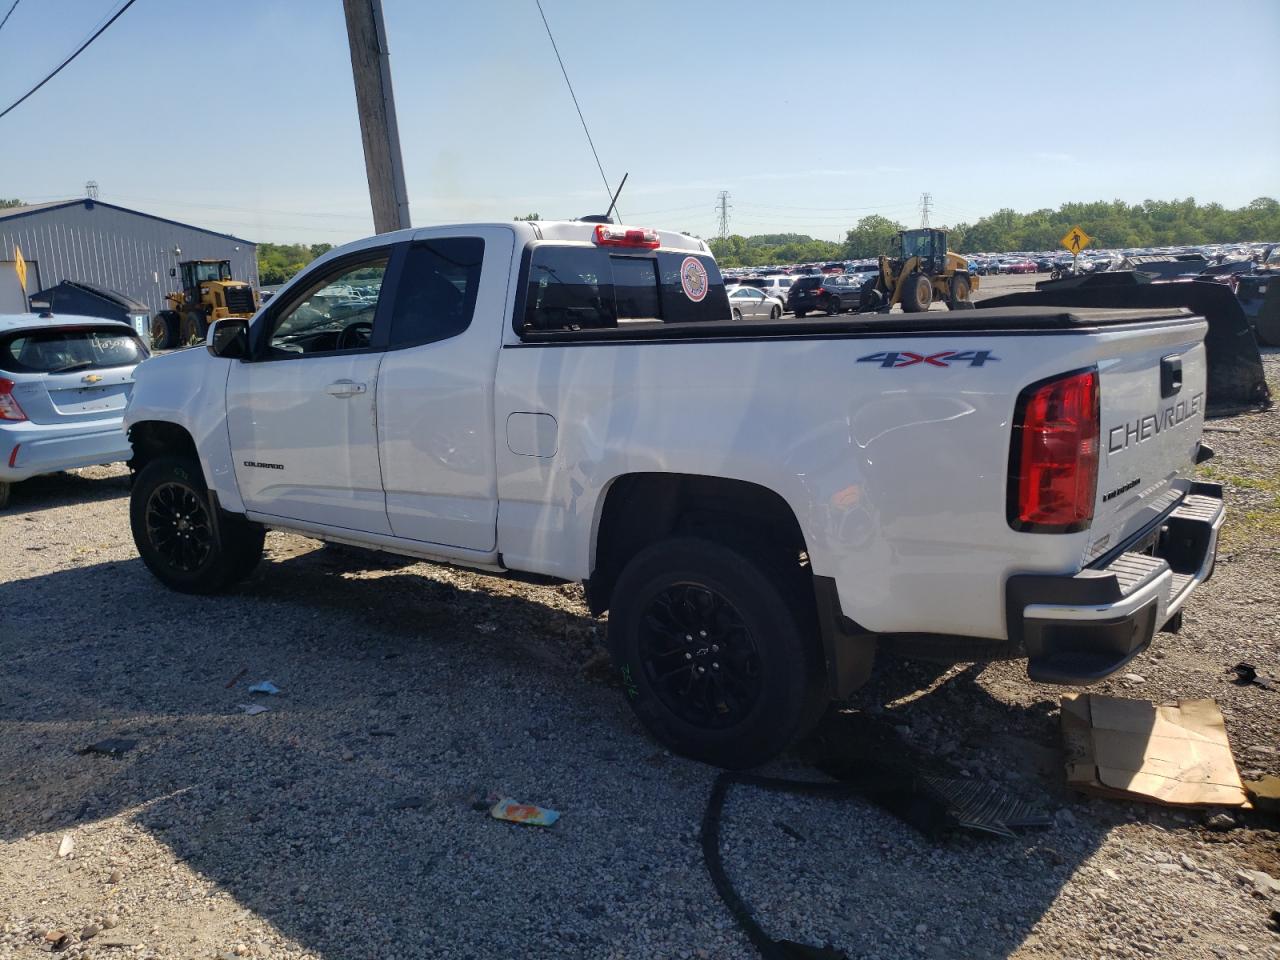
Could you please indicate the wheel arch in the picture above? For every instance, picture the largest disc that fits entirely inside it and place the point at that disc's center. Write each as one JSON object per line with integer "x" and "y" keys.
{"x": 157, "y": 438}
{"x": 637, "y": 509}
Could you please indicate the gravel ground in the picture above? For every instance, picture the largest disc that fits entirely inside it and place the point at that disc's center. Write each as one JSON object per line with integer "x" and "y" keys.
{"x": 342, "y": 822}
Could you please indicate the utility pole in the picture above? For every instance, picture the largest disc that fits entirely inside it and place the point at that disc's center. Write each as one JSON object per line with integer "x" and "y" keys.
{"x": 926, "y": 199}
{"x": 722, "y": 205}
{"x": 371, "y": 69}
{"x": 91, "y": 189}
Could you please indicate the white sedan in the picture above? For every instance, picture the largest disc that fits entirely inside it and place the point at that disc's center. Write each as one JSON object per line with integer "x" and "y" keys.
{"x": 64, "y": 384}
{"x": 748, "y": 303}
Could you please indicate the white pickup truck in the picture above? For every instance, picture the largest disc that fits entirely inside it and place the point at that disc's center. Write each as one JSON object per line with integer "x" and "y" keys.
{"x": 758, "y": 505}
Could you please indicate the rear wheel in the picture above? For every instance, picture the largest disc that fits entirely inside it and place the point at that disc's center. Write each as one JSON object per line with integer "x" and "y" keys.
{"x": 737, "y": 314}
{"x": 917, "y": 293}
{"x": 717, "y": 650}
{"x": 801, "y": 314}
{"x": 775, "y": 313}
{"x": 164, "y": 330}
{"x": 189, "y": 544}
{"x": 833, "y": 306}
{"x": 5, "y": 488}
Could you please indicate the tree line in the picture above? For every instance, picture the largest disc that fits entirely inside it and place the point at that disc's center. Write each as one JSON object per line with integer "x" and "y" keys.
{"x": 1152, "y": 223}
{"x": 278, "y": 262}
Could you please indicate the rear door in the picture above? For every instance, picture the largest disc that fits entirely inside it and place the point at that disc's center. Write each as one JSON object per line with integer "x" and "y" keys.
{"x": 435, "y": 389}
{"x": 1152, "y": 413}
{"x": 72, "y": 374}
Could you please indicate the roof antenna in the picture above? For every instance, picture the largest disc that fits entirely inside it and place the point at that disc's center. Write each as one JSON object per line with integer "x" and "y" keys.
{"x": 574, "y": 96}
{"x": 614, "y": 202}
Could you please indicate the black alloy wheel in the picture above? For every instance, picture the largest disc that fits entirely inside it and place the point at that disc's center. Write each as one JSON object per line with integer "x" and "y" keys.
{"x": 699, "y": 657}
{"x": 185, "y": 539}
{"x": 178, "y": 526}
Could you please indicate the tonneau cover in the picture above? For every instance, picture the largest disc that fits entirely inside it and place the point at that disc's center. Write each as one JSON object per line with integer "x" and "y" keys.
{"x": 934, "y": 321}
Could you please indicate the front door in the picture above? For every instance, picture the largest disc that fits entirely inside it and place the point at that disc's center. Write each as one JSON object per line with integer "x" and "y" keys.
{"x": 301, "y": 412}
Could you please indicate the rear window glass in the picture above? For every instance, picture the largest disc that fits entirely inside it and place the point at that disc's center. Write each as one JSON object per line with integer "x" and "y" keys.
{"x": 64, "y": 349}
{"x": 584, "y": 288}
{"x": 807, "y": 283}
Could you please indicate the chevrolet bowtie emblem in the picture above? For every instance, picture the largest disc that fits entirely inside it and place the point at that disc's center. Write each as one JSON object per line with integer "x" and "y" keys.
{"x": 90, "y": 378}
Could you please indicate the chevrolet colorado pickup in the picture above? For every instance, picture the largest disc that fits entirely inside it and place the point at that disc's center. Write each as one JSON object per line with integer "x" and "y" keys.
{"x": 758, "y": 505}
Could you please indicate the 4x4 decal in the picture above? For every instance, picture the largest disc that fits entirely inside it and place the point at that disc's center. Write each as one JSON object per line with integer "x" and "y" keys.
{"x": 944, "y": 358}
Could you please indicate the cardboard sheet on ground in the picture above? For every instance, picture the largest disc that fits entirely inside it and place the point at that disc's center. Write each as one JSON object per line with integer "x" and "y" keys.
{"x": 1176, "y": 755}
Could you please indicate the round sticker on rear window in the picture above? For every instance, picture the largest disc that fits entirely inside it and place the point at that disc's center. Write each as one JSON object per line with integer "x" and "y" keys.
{"x": 693, "y": 278}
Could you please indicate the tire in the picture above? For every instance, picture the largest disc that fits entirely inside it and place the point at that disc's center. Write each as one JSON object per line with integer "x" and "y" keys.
{"x": 205, "y": 552}
{"x": 164, "y": 330}
{"x": 194, "y": 328}
{"x": 772, "y": 660}
{"x": 737, "y": 314}
{"x": 775, "y": 313}
{"x": 5, "y": 488}
{"x": 960, "y": 298}
{"x": 801, "y": 314}
{"x": 833, "y": 306}
{"x": 917, "y": 293}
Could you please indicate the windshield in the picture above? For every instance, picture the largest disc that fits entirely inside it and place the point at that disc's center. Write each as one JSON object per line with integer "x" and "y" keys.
{"x": 211, "y": 271}
{"x": 917, "y": 245}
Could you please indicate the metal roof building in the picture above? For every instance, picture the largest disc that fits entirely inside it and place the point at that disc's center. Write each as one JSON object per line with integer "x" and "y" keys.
{"x": 89, "y": 241}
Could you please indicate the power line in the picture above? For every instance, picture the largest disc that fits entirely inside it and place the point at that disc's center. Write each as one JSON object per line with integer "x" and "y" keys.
{"x": 9, "y": 14}
{"x": 59, "y": 68}
{"x": 599, "y": 166}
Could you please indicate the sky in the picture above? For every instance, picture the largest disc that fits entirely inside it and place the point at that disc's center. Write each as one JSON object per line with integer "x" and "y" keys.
{"x": 239, "y": 115}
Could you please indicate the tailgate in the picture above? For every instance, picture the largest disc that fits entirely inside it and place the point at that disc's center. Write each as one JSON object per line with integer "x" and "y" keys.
{"x": 1152, "y": 413}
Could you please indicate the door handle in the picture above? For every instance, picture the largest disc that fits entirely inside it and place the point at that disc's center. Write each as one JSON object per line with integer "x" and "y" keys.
{"x": 345, "y": 388}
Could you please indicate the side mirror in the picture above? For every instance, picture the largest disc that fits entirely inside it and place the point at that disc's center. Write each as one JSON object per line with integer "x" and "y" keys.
{"x": 229, "y": 338}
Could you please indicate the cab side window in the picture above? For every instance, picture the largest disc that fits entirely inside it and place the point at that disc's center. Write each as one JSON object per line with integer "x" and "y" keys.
{"x": 436, "y": 295}
{"x": 333, "y": 313}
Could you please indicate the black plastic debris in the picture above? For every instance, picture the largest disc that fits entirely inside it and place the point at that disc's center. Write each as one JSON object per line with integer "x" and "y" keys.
{"x": 850, "y": 750}
{"x": 1247, "y": 675}
{"x": 111, "y": 747}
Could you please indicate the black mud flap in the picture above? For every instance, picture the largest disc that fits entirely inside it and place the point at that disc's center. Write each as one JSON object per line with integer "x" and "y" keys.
{"x": 1235, "y": 378}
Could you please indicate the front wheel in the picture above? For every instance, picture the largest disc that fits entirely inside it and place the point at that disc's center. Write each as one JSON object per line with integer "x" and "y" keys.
{"x": 5, "y": 488}
{"x": 717, "y": 651}
{"x": 188, "y": 543}
{"x": 194, "y": 328}
{"x": 917, "y": 293}
{"x": 737, "y": 314}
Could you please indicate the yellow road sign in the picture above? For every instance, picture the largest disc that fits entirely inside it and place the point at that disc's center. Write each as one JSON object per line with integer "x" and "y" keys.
{"x": 20, "y": 266}
{"x": 1076, "y": 240}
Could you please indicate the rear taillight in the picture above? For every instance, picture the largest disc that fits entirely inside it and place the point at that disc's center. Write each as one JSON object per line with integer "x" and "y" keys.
{"x": 9, "y": 409}
{"x": 819, "y": 290}
{"x": 1053, "y": 466}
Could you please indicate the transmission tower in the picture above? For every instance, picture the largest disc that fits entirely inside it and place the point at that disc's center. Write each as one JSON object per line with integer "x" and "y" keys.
{"x": 91, "y": 189}
{"x": 723, "y": 207}
{"x": 926, "y": 200}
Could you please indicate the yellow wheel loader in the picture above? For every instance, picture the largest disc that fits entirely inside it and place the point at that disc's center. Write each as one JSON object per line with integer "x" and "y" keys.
{"x": 920, "y": 271}
{"x": 208, "y": 293}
